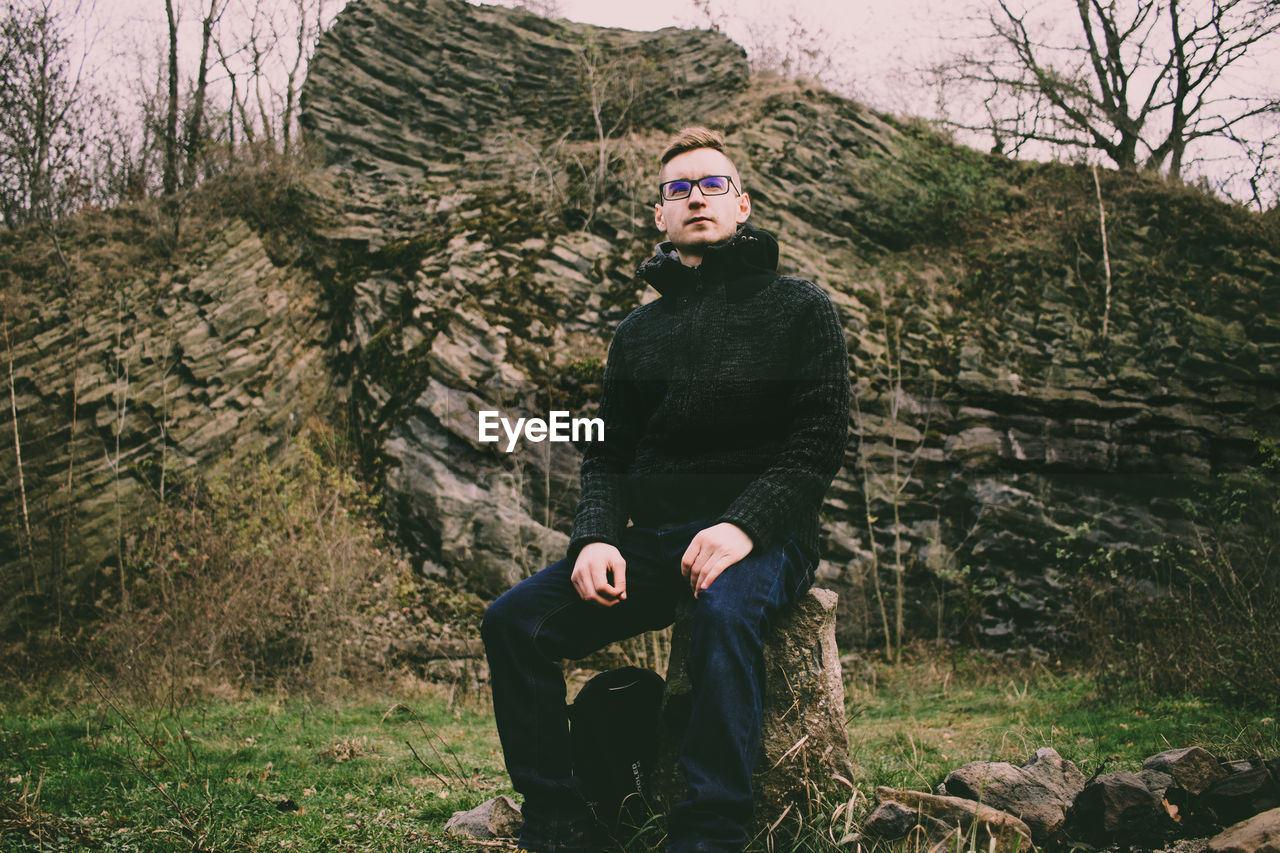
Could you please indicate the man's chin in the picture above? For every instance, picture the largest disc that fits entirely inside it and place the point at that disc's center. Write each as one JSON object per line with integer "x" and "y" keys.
{"x": 701, "y": 240}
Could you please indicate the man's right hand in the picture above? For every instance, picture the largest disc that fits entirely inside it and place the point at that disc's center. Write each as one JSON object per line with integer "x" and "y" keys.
{"x": 600, "y": 574}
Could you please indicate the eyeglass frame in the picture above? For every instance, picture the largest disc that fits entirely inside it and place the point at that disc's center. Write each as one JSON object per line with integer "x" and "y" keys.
{"x": 662, "y": 191}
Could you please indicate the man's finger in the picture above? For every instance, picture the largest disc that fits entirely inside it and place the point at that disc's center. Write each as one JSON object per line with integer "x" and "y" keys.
{"x": 588, "y": 577}
{"x": 586, "y": 588}
{"x": 600, "y": 586}
{"x": 690, "y": 554}
{"x": 620, "y": 578}
{"x": 713, "y": 571}
{"x": 705, "y": 557}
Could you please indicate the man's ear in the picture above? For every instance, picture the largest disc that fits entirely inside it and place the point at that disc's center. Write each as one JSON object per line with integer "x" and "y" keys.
{"x": 744, "y": 208}
{"x": 658, "y": 218}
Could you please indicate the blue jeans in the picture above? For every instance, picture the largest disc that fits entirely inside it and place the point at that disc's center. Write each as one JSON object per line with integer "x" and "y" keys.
{"x": 542, "y": 621}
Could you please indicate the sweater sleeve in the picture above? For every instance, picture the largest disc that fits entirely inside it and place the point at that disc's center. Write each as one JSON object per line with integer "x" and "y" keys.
{"x": 814, "y": 447}
{"x": 601, "y": 514}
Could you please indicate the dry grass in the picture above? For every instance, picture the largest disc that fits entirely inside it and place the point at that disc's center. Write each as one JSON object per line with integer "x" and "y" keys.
{"x": 272, "y": 574}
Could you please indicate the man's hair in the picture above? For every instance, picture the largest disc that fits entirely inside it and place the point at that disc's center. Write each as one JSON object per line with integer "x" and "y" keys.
{"x": 691, "y": 139}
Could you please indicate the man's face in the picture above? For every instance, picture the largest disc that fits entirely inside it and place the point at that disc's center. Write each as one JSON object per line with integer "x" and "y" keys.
{"x": 699, "y": 220}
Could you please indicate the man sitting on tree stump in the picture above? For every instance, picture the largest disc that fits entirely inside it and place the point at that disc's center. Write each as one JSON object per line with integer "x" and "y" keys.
{"x": 726, "y": 412}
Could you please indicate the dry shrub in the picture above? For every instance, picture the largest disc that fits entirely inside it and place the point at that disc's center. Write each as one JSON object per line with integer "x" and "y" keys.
{"x": 270, "y": 575}
{"x": 346, "y": 749}
{"x": 1194, "y": 615}
{"x": 287, "y": 198}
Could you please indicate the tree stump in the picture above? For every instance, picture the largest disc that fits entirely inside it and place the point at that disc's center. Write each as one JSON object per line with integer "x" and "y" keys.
{"x": 803, "y": 742}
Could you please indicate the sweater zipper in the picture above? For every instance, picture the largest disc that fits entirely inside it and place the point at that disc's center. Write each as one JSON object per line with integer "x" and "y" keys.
{"x": 697, "y": 287}
{"x": 693, "y": 331}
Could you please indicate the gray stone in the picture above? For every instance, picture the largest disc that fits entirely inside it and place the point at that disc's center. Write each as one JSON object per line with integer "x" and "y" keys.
{"x": 891, "y": 819}
{"x": 1193, "y": 768}
{"x": 1242, "y": 795}
{"x": 1258, "y": 834}
{"x": 1116, "y": 806}
{"x": 1040, "y": 791}
{"x": 1157, "y": 782}
{"x": 991, "y": 828}
{"x": 496, "y": 818}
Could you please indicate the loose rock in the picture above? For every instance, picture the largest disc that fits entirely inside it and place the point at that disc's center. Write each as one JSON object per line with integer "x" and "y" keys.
{"x": 1117, "y": 806}
{"x": 1040, "y": 792}
{"x": 1242, "y": 795}
{"x": 1258, "y": 834}
{"x": 1193, "y": 769}
{"x": 892, "y": 819}
{"x": 496, "y": 818}
{"x": 986, "y": 824}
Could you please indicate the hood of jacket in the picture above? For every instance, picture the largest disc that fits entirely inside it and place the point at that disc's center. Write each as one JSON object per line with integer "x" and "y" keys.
{"x": 745, "y": 263}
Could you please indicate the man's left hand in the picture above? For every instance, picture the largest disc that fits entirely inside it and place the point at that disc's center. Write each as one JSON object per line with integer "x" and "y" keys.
{"x": 713, "y": 550}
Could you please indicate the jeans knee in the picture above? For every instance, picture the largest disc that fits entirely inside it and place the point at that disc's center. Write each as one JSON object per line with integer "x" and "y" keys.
{"x": 722, "y": 616}
{"x": 501, "y": 620}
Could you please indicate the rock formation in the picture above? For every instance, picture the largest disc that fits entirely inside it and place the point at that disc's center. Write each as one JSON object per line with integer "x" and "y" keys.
{"x": 486, "y": 191}
{"x": 223, "y": 356}
{"x": 1010, "y": 422}
{"x": 1259, "y": 834}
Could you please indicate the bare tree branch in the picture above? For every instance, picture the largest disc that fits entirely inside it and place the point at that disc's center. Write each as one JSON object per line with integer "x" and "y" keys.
{"x": 1140, "y": 80}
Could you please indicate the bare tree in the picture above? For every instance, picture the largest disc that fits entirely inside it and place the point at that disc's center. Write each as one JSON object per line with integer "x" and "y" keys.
{"x": 264, "y": 54}
{"x": 308, "y": 26}
{"x": 45, "y": 124}
{"x": 1140, "y": 80}
{"x": 1256, "y": 181}
{"x": 613, "y": 85}
{"x": 171, "y": 106}
{"x": 238, "y": 103}
{"x": 783, "y": 42}
{"x": 195, "y": 134}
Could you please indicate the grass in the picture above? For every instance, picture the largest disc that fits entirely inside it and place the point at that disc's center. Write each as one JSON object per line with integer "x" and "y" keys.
{"x": 284, "y": 774}
{"x": 929, "y": 716}
{"x": 384, "y": 772}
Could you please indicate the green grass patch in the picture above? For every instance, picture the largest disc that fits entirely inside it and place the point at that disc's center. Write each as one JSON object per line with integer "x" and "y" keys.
{"x": 384, "y": 773}
{"x": 251, "y": 775}
{"x": 923, "y": 719}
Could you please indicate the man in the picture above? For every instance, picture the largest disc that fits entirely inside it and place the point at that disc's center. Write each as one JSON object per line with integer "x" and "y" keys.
{"x": 726, "y": 411}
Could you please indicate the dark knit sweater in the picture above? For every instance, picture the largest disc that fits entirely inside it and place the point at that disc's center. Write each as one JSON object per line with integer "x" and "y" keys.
{"x": 727, "y": 399}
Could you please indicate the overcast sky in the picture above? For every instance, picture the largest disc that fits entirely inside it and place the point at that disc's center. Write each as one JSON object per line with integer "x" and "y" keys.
{"x": 875, "y": 44}
{"x": 877, "y": 48}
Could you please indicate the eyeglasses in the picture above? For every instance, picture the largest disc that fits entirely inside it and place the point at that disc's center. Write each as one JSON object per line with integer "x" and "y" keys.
{"x": 710, "y": 185}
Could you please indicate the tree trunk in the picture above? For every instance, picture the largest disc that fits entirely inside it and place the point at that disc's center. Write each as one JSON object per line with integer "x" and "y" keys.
{"x": 171, "y": 117}
{"x": 195, "y": 135}
{"x": 804, "y": 745}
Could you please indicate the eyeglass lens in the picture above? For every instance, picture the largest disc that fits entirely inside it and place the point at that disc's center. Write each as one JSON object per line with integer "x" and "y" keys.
{"x": 710, "y": 185}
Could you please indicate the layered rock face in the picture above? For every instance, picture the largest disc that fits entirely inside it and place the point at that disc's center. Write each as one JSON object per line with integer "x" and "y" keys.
{"x": 122, "y": 395}
{"x": 993, "y": 419}
{"x": 494, "y": 176}
{"x": 501, "y": 224}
